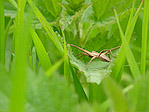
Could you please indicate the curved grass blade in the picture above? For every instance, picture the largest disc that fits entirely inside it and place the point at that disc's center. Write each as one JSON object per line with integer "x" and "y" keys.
{"x": 66, "y": 61}
{"x": 114, "y": 92}
{"x": 130, "y": 58}
{"x": 78, "y": 87}
{"x": 13, "y": 2}
{"x": 144, "y": 36}
{"x": 52, "y": 69}
{"x": 51, "y": 34}
{"x": 41, "y": 52}
{"x": 120, "y": 61}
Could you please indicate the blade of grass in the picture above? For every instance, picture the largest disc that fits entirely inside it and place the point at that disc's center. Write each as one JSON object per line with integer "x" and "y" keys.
{"x": 41, "y": 52}
{"x": 13, "y": 2}
{"x": 106, "y": 103}
{"x": 117, "y": 98}
{"x": 34, "y": 58}
{"x": 130, "y": 58}
{"x": 2, "y": 37}
{"x": 7, "y": 30}
{"x": 66, "y": 61}
{"x": 78, "y": 87}
{"x": 17, "y": 103}
{"x": 52, "y": 69}
{"x": 120, "y": 61}
{"x": 144, "y": 36}
{"x": 51, "y": 34}
{"x": 131, "y": 14}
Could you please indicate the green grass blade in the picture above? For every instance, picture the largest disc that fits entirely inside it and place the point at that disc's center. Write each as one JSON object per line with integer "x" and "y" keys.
{"x": 52, "y": 69}
{"x": 13, "y": 2}
{"x": 66, "y": 61}
{"x": 2, "y": 37}
{"x": 114, "y": 92}
{"x": 41, "y": 52}
{"x": 7, "y": 30}
{"x": 34, "y": 58}
{"x": 130, "y": 58}
{"x": 78, "y": 87}
{"x": 131, "y": 14}
{"x": 51, "y": 34}
{"x": 144, "y": 36}
{"x": 120, "y": 61}
{"x": 17, "y": 103}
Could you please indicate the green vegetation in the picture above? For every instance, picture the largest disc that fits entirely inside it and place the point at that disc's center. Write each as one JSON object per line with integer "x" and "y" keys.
{"x": 40, "y": 72}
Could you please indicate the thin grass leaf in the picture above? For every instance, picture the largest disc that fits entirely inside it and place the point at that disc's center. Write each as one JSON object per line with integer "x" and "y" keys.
{"x": 144, "y": 36}
{"x": 17, "y": 103}
{"x": 34, "y": 58}
{"x": 52, "y": 69}
{"x": 138, "y": 99}
{"x": 51, "y": 34}
{"x": 2, "y": 37}
{"x": 66, "y": 61}
{"x": 130, "y": 58}
{"x": 41, "y": 52}
{"x": 13, "y": 2}
{"x": 120, "y": 61}
{"x": 7, "y": 30}
{"x": 53, "y": 7}
{"x": 114, "y": 92}
{"x": 30, "y": 62}
{"x": 131, "y": 14}
{"x": 96, "y": 93}
{"x": 78, "y": 87}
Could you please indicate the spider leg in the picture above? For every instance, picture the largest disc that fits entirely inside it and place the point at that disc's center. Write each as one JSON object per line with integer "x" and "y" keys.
{"x": 90, "y": 62}
{"x": 111, "y": 53}
{"x": 81, "y": 56}
{"x": 108, "y": 55}
{"x": 81, "y": 53}
{"x": 103, "y": 51}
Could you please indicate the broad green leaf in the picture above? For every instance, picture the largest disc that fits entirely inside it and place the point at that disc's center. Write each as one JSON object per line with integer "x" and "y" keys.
{"x": 51, "y": 34}
{"x": 74, "y": 6}
{"x": 43, "y": 93}
{"x": 130, "y": 58}
{"x": 53, "y": 7}
{"x": 41, "y": 52}
{"x": 99, "y": 7}
{"x": 50, "y": 93}
{"x": 97, "y": 70}
{"x": 114, "y": 92}
{"x": 103, "y": 9}
{"x": 138, "y": 97}
{"x": 144, "y": 36}
{"x": 75, "y": 2}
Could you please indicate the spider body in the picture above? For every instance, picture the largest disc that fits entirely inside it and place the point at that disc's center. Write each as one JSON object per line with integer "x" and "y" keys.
{"x": 102, "y": 55}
